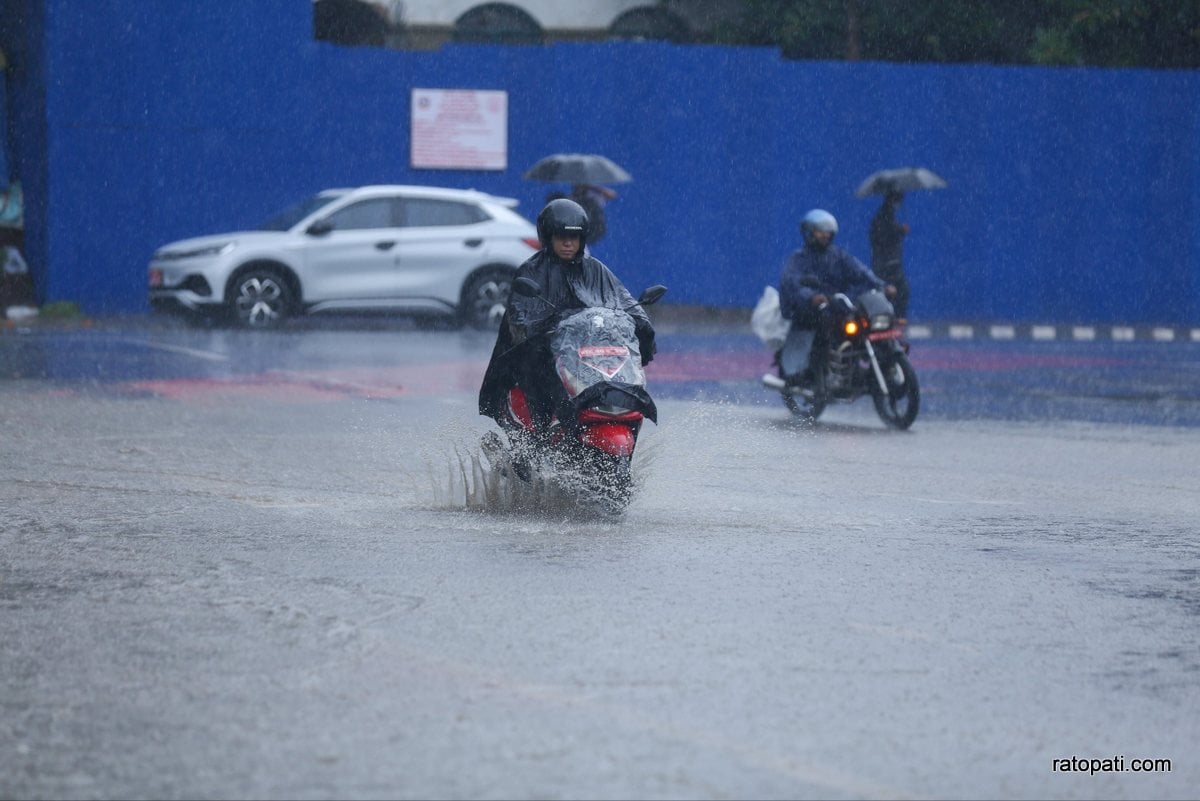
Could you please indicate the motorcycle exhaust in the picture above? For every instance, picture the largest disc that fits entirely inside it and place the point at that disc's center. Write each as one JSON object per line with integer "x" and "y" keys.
{"x": 776, "y": 383}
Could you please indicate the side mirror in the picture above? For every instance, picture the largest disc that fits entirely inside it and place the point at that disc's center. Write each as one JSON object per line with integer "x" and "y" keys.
{"x": 319, "y": 228}
{"x": 652, "y": 295}
{"x": 526, "y": 287}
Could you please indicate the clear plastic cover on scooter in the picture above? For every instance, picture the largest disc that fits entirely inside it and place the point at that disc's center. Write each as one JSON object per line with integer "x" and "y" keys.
{"x": 597, "y": 345}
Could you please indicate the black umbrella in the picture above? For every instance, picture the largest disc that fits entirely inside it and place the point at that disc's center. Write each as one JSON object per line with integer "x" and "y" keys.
{"x": 901, "y": 179}
{"x": 578, "y": 168}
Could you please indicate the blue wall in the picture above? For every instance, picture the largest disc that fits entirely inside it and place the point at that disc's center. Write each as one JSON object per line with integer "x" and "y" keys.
{"x": 1073, "y": 193}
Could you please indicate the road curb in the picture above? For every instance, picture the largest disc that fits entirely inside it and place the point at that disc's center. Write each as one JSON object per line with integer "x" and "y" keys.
{"x": 703, "y": 319}
{"x": 723, "y": 319}
{"x": 1046, "y": 332}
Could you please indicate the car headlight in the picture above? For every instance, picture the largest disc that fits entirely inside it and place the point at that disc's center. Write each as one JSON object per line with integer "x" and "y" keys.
{"x": 210, "y": 250}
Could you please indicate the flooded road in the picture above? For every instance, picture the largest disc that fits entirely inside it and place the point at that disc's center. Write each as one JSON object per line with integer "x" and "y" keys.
{"x": 239, "y": 566}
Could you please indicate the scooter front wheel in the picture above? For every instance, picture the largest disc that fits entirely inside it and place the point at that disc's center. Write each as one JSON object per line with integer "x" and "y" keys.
{"x": 608, "y": 483}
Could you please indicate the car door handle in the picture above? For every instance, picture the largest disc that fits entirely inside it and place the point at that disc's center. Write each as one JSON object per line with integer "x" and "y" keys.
{"x": 472, "y": 243}
{"x": 384, "y": 245}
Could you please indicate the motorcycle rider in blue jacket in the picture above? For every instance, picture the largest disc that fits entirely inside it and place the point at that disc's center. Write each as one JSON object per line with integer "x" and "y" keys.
{"x": 810, "y": 277}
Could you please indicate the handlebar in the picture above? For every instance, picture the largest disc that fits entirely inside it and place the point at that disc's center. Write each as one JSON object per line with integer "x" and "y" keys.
{"x": 527, "y": 287}
{"x": 841, "y": 298}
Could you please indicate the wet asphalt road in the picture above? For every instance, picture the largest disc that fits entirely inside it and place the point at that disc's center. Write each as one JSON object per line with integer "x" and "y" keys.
{"x": 266, "y": 566}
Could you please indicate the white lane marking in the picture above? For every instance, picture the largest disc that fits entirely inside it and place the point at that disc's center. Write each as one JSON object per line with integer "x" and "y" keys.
{"x": 1044, "y": 332}
{"x": 1122, "y": 334}
{"x": 1003, "y": 332}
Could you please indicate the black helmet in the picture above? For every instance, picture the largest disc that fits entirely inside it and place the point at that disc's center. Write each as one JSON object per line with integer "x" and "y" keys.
{"x": 563, "y": 217}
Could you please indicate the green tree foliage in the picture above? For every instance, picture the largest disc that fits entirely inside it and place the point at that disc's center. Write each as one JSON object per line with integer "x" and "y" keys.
{"x": 1121, "y": 33}
{"x": 349, "y": 22}
{"x": 1117, "y": 33}
{"x": 993, "y": 31}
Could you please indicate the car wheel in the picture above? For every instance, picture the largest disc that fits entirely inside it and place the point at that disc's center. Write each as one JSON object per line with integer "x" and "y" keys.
{"x": 260, "y": 298}
{"x": 484, "y": 300}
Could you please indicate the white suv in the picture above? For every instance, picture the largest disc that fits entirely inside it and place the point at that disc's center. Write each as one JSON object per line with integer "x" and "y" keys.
{"x": 376, "y": 248}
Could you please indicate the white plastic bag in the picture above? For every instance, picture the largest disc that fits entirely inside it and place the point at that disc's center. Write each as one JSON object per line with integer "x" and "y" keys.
{"x": 767, "y": 322}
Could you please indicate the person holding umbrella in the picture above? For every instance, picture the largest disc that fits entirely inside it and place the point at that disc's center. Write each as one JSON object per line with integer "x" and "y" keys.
{"x": 887, "y": 235}
{"x": 586, "y": 172}
{"x": 593, "y": 199}
{"x": 887, "y": 248}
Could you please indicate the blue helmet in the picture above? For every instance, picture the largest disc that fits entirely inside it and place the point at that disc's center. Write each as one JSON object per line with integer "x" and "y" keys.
{"x": 818, "y": 220}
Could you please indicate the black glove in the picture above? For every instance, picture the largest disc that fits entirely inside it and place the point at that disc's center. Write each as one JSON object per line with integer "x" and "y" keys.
{"x": 647, "y": 346}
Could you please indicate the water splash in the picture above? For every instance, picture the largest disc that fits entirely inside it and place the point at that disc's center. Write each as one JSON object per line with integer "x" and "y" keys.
{"x": 481, "y": 475}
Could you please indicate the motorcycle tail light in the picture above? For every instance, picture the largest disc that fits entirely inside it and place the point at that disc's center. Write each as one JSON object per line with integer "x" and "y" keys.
{"x": 608, "y": 414}
{"x": 851, "y": 328}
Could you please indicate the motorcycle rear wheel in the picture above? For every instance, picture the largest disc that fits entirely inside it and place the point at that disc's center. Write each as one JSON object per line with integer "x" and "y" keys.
{"x": 899, "y": 406}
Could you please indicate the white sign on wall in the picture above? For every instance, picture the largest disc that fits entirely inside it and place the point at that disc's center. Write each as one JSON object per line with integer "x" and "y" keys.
{"x": 459, "y": 129}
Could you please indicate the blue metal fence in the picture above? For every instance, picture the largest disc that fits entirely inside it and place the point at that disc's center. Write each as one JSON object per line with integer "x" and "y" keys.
{"x": 1073, "y": 193}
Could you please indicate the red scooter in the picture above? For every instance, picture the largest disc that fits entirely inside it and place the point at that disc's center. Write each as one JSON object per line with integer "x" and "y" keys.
{"x": 591, "y": 441}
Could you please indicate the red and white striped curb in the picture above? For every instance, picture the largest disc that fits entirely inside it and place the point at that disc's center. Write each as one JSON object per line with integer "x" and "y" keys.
{"x": 1048, "y": 333}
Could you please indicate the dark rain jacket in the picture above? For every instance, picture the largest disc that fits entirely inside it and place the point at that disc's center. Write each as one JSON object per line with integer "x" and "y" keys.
{"x": 809, "y": 272}
{"x": 887, "y": 243}
{"x": 597, "y": 222}
{"x": 578, "y": 284}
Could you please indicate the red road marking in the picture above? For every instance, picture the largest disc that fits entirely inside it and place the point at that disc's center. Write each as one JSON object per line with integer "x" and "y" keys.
{"x": 465, "y": 376}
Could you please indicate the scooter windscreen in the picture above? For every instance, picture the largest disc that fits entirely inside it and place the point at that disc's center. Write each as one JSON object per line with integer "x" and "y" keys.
{"x": 597, "y": 345}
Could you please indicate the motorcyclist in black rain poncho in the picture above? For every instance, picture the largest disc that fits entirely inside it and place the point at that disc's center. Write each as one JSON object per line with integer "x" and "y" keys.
{"x": 570, "y": 279}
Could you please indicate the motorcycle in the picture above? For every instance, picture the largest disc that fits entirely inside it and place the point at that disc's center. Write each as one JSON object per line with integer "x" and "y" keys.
{"x": 862, "y": 351}
{"x": 591, "y": 439}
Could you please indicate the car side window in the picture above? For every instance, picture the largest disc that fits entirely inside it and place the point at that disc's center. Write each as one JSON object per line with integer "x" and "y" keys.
{"x": 423, "y": 212}
{"x": 377, "y": 212}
